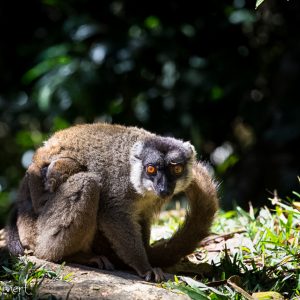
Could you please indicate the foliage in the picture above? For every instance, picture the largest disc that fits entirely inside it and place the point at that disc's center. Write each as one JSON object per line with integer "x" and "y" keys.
{"x": 223, "y": 76}
{"x": 258, "y": 3}
{"x": 267, "y": 260}
{"x": 21, "y": 278}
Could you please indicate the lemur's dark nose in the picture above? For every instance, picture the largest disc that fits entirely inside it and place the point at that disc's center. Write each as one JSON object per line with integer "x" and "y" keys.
{"x": 164, "y": 192}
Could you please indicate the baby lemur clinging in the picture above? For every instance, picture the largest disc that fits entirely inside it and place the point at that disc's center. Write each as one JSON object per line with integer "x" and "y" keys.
{"x": 101, "y": 182}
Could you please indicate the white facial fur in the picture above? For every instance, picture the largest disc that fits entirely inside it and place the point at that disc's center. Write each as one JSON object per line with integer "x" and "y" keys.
{"x": 136, "y": 167}
{"x": 143, "y": 185}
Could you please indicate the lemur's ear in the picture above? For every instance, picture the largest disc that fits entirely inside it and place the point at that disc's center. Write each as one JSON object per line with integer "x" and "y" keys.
{"x": 190, "y": 149}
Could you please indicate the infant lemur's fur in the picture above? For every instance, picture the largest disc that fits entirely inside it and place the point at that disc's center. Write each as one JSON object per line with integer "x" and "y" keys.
{"x": 92, "y": 190}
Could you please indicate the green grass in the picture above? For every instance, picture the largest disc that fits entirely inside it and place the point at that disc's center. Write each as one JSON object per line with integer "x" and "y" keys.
{"x": 265, "y": 256}
{"x": 21, "y": 278}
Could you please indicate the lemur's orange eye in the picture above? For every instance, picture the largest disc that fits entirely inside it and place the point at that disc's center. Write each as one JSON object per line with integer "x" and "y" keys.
{"x": 151, "y": 170}
{"x": 177, "y": 169}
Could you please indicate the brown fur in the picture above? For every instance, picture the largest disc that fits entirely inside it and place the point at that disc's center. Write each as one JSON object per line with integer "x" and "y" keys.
{"x": 203, "y": 204}
{"x": 77, "y": 195}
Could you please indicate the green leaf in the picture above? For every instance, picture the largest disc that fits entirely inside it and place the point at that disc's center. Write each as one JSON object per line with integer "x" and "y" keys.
{"x": 7, "y": 270}
{"x": 217, "y": 93}
{"x": 258, "y": 3}
{"x": 199, "y": 285}
{"x": 297, "y": 194}
{"x": 29, "y": 139}
{"x": 152, "y": 22}
{"x": 267, "y": 295}
{"x": 59, "y": 123}
{"x": 44, "y": 67}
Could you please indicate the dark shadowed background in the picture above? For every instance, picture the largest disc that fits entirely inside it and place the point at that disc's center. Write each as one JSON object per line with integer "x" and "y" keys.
{"x": 218, "y": 73}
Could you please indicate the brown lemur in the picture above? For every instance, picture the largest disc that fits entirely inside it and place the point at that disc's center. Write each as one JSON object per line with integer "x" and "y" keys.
{"x": 97, "y": 184}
